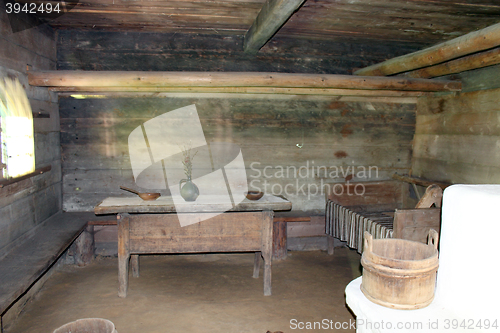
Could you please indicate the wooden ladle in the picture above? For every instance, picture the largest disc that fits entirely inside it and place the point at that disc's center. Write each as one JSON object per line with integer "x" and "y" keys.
{"x": 143, "y": 196}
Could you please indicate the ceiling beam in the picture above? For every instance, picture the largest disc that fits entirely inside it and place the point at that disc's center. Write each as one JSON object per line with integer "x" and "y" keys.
{"x": 474, "y": 61}
{"x": 473, "y": 42}
{"x": 114, "y": 79}
{"x": 271, "y": 17}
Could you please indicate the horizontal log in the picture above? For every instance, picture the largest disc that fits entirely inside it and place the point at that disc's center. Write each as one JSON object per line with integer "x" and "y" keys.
{"x": 361, "y": 99}
{"x": 332, "y": 132}
{"x": 233, "y": 79}
{"x": 102, "y": 222}
{"x": 478, "y": 60}
{"x": 247, "y": 90}
{"x": 477, "y": 149}
{"x": 473, "y": 123}
{"x": 419, "y": 181}
{"x": 292, "y": 219}
{"x": 470, "y": 43}
{"x": 456, "y": 172}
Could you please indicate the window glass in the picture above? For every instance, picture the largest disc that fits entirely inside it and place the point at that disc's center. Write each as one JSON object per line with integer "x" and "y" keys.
{"x": 17, "y": 143}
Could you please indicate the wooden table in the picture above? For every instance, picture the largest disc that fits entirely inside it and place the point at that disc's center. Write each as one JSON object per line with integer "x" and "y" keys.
{"x": 153, "y": 227}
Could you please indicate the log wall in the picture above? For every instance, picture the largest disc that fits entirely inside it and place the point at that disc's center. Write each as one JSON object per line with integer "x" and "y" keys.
{"x": 25, "y": 204}
{"x": 340, "y": 141}
{"x": 133, "y": 51}
{"x": 335, "y": 132}
{"x": 457, "y": 136}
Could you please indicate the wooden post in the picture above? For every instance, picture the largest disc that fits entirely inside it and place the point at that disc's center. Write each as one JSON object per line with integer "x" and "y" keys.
{"x": 123, "y": 253}
{"x": 473, "y": 42}
{"x": 84, "y": 246}
{"x": 279, "y": 240}
{"x": 267, "y": 243}
{"x": 331, "y": 247}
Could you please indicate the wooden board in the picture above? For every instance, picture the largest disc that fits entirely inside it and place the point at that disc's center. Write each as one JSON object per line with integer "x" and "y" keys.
{"x": 114, "y": 205}
{"x": 427, "y": 22}
{"x": 229, "y": 232}
{"x": 369, "y": 196}
{"x": 414, "y": 224}
{"x": 209, "y": 51}
{"x": 315, "y": 227}
{"x": 23, "y": 266}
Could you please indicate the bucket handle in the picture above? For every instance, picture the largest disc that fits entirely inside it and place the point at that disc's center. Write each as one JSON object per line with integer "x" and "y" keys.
{"x": 368, "y": 245}
{"x": 432, "y": 239}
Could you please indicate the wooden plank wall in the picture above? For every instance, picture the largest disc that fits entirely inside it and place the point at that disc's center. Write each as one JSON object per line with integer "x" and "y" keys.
{"x": 341, "y": 136}
{"x": 457, "y": 136}
{"x": 99, "y": 50}
{"x": 24, "y": 205}
{"x": 334, "y": 133}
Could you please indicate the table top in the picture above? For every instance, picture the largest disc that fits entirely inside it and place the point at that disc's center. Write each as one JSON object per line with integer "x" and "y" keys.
{"x": 116, "y": 205}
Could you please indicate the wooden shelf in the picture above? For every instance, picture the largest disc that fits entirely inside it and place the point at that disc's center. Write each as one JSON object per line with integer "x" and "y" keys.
{"x": 38, "y": 171}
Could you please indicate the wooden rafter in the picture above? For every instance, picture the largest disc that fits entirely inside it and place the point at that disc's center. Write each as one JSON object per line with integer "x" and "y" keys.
{"x": 271, "y": 17}
{"x": 470, "y": 43}
{"x": 478, "y": 60}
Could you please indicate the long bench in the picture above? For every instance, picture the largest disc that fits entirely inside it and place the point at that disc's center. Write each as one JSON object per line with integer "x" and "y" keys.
{"x": 28, "y": 262}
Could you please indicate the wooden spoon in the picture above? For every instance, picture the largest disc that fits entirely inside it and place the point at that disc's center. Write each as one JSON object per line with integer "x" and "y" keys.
{"x": 143, "y": 196}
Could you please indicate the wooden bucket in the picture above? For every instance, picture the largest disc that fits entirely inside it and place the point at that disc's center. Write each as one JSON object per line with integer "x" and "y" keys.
{"x": 398, "y": 273}
{"x": 86, "y": 325}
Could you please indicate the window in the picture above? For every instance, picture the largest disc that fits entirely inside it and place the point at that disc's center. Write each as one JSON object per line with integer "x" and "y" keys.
{"x": 17, "y": 143}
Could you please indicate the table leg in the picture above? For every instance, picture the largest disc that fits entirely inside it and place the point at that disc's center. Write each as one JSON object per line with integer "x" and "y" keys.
{"x": 256, "y": 264}
{"x": 267, "y": 248}
{"x": 331, "y": 247}
{"x": 279, "y": 240}
{"x": 267, "y": 277}
{"x": 85, "y": 247}
{"x": 123, "y": 253}
{"x": 134, "y": 262}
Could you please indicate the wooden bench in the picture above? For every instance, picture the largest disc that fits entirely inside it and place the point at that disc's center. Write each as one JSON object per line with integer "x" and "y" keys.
{"x": 23, "y": 266}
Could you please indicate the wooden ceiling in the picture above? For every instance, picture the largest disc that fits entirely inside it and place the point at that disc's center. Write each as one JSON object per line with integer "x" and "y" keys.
{"x": 423, "y": 21}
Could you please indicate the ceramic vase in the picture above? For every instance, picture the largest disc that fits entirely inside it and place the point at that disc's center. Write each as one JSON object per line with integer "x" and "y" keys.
{"x": 189, "y": 191}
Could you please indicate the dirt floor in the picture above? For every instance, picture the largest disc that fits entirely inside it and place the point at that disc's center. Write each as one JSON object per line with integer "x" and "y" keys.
{"x": 200, "y": 293}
